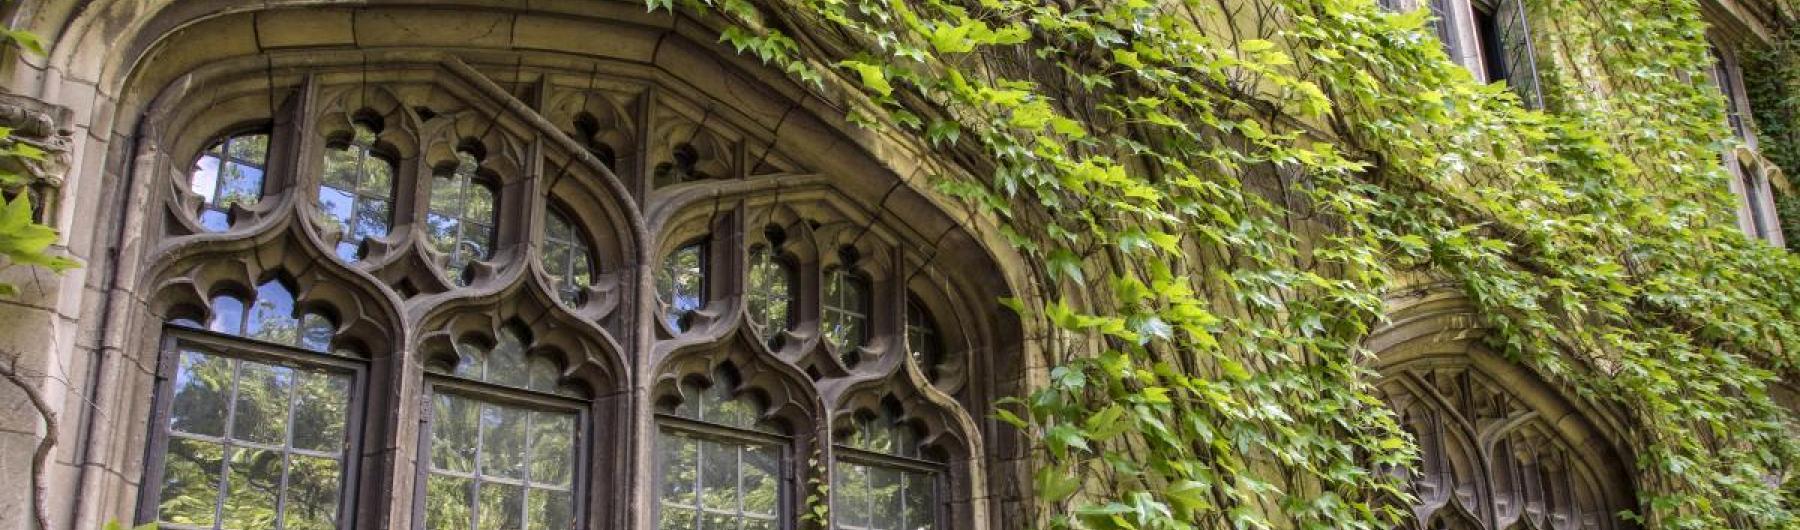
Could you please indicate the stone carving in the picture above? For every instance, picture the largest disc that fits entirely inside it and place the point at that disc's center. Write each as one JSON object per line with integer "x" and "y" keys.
{"x": 43, "y": 127}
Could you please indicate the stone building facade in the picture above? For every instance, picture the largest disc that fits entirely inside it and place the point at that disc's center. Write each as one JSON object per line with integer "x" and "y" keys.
{"x": 475, "y": 263}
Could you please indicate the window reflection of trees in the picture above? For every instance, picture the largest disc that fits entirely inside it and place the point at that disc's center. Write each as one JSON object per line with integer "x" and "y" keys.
{"x": 770, "y": 294}
{"x": 567, "y": 257}
{"x": 356, "y": 190}
{"x": 681, "y": 285}
{"x": 923, "y": 340}
{"x": 461, "y": 216}
{"x": 720, "y": 469}
{"x": 496, "y": 463}
{"x": 229, "y": 172}
{"x": 873, "y": 493}
{"x": 846, "y": 313}
{"x": 255, "y": 442}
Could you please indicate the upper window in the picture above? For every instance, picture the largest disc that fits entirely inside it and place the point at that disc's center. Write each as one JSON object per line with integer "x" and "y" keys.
{"x": 356, "y": 192}
{"x": 922, "y": 338}
{"x": 718, "y": 463}
{"x": 567, "y": 257}
{"x": 502, "y": 458}
{"x": 1726, "y": 81}
{"x": 227, "y": 173}
{"x": 251, "y": 435}
{"x": 461, "y": 217}
{"x": 1502, "y": 32}
{"x": 681, "y": 285}
{"x": 880, "y": 482}
{"x": 846, "y": 313}
{"x": 770, "y": 294}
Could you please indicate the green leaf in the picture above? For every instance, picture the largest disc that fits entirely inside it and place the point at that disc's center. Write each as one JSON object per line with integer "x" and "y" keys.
{"x": 873, "y": 76}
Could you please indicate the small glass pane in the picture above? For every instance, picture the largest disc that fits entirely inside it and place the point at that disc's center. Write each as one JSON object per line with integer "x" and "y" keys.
{"x": 228, "y": 172}
{"x": 449, "y": 502}
{"x": 271, "y": 318}
{"x": 319, "y": 412}
{"x": 312, "y": 494}
{"x": 920, "y": 502}
{"x": 506, "y": 363}
{"x": 227, "y": 315}
{"x": 316, "y": 332}
{"x": 502, "y": 507}
{"x": 850, "y": 493}
{"x": 503, "y": 441}
{"x": 718, "y": 476}
{"x": 453, "y": 433}
{"x": 566, "y": 257}
{"x": 680, "y": 468}
{"x": 846, "y": 312}
{"x": 202, "y": 387}
{"x": 674, "y": 518}
{"x": 681, "y": 284}
{"x": 552, "y": 448}
{"x": 262, "y": 403}
{"x": 190, "y": 485}
{"x": 252, "y": 486}
{"x": 922, "y": 338}
{"x": 460, "y": 217}
{"x": 770, "y": 293}
{"x": 884, "y": 491}
{"x": 761, "y": 488}
{"x": 549, "y": 510}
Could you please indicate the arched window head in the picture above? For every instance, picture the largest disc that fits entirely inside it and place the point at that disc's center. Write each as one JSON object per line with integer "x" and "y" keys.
{"x": 229, "y": 172}
{"x": 503, "y": 463}
{"x": 271, "y": 317}
{"x": 681, "y": 285}
{"x": 461, "y": 216}
{"x": 846, "y": 313}
{"x": 567, "y": 257}
{"x": 880, "y": 483}
{"x": 770, "y": 295}
{"x": 923, "y": 341}
{"x": 720, "y": 467}
{"x": 356, "y": 189}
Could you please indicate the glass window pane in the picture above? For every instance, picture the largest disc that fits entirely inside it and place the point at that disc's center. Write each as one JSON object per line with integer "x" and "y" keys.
{"x": 920, "y": 502}
{"x": 316, "y": 332}
{"x": 542, "y": 374}
{"x": 448, "y": 501}
{"x": 680, "y": 284}
{"x": 506, "y": 364}
{"x": 761, "y": 487}
{"x": 674, "y": 518}
{"x": 320, "y": 411}
{"x": 262, "y": 403}
{"x": 271, "y": 317}
{"x": 718, "y": 476}
{"x": 190, "y": 484}
{"x": 204, "y": 180}
{"x": 453, "y": 433}
{"x": 227, "y": 315}
{"x": 252, "y": 485}
{"x": 549, "y": 510}
{"x": 884, "y": 492}
{"x": 481, "y": 204}
{"x": 250, "y": 148}
{"x": 502, "y": 507}
{"x": 850, "y": 495}
{"x": 312, "y": 494}
{"x": 680, "y": 456}
{"x": 552, "y": 448}
{"x": 503, "y": 441}
{"x": 341, "y": 166}
{"x": 202, "y": 388}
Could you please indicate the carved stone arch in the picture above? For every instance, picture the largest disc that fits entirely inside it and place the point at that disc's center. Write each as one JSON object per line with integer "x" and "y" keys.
{"x": 687, "y": 145}
{"x": 185, "y": 277}
{"x": 182, "y": 126}
{"x": 1430, "y": 353}
{"x": 786, "y": 393}
{"x": 336, "y": 111}
{"x": 583, "y": 351}
{"x": 600, "y": 119}
{"x": 959, "y": 327}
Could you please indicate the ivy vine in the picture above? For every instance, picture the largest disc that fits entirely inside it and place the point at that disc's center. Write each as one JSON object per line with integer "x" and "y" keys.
{"x": 1206, "y": 330}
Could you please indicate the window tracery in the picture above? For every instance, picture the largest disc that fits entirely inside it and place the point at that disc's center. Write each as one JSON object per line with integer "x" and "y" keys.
{"x": 1487, "y": 460}
{"x": 721, "y": 467}
{"x": 567, "y": 257}
{"x": 846, "y": 306}
{"x": 770, "y": 292}
{"x": 875, "y": 493}
{"x": 681, "y": 285}
{"x": 461, "y": 216}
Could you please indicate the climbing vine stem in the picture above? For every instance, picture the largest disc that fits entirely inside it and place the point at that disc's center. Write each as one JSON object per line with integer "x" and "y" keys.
{"x": 1216, "y": 197}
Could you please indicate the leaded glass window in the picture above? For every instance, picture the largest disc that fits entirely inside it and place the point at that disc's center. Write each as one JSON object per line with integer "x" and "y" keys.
{"x": 253, "y": 436}
{"x": 356, "y": 191}
{"x": 922, "y": 338}
{"x": 718, "y": 464}
{"x": 681, "y": 285}
{"x": 500, "y": 460}
{"x": 461, "y": 216}
{"x": 229, "y": 172}
{"x": 846, "y": 313}
{"x": 770, "y": 294}
{"x": 567, "y": 257}
{"x": 880, "y": 481}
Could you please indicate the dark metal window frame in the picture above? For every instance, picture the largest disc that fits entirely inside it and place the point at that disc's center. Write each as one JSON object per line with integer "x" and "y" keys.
{"x": 497, "y": 394}
{"x": 358, "y": 191}
{"x": 938, "y": 471}
{"x": 176, "y": 337}
{"x": 784, "y": 476}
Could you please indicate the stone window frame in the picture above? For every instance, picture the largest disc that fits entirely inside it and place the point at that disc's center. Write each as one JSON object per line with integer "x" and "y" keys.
{"x": 918, "y": 461}
{"x": 1468, "y": 39}
{"x": 779, "y": 429}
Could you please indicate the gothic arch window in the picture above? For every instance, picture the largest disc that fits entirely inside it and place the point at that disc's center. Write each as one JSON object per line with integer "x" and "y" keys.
{"x": 1488, "y": 460}
{"x": 567, "y": 257}
{"x": 719, "y": 461}
{"x": 253, "y": 429}
{"x": 506, "y": 435}
{"x": 462, "y": 215}
{"x": 229, "y": 173}
{"x": 846, "y": 313}
{"x": 681, "y": 285}
{"x": 882, "y": 480}
{"x": 356, "y": 188}
{"x": 770, "y": 289}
